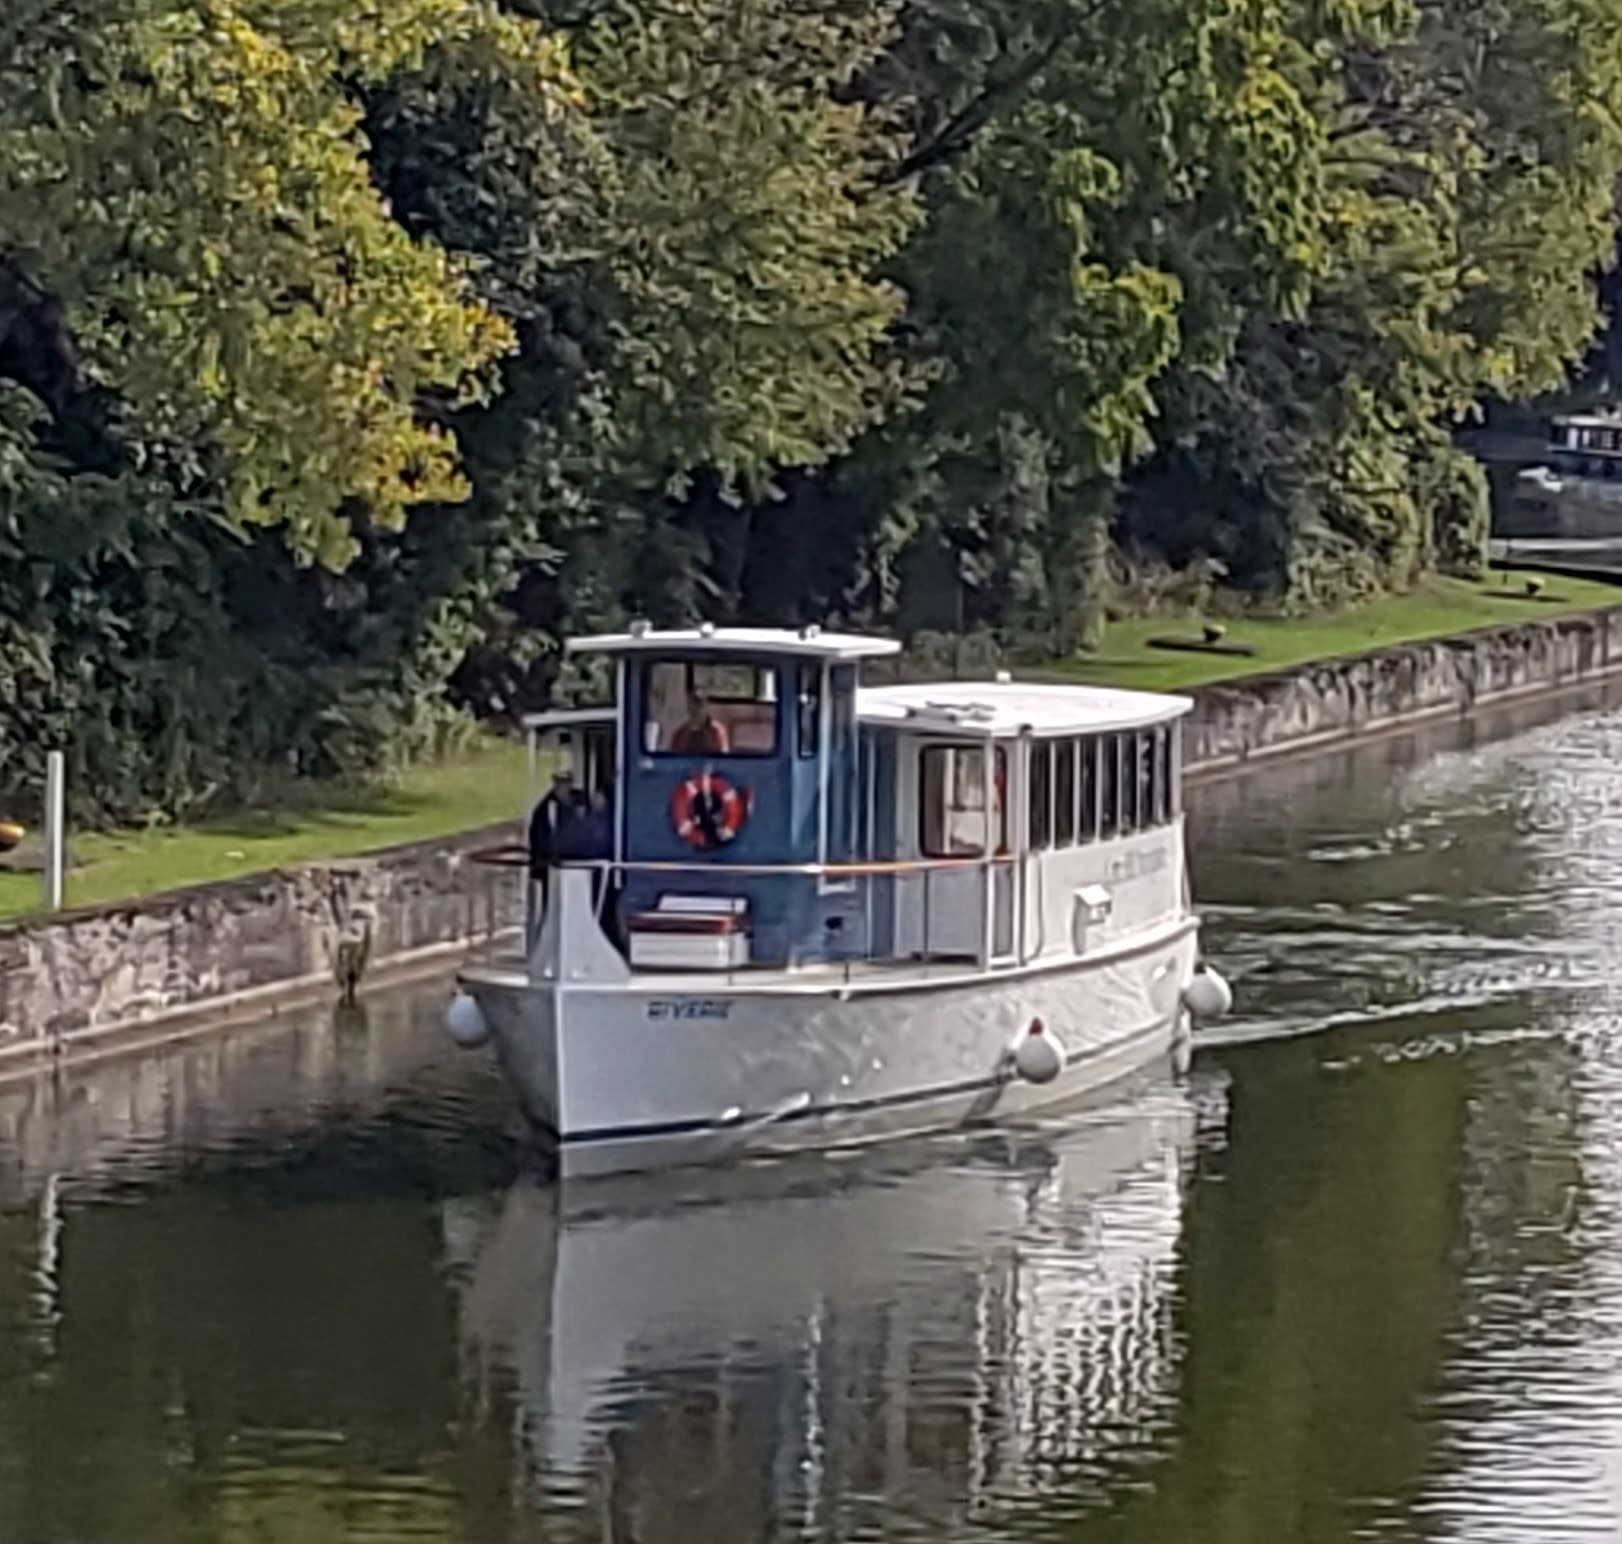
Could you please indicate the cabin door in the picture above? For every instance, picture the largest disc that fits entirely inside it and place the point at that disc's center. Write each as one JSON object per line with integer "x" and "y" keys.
{"x": 943, "y": 797}
{"x": 599, "y": 755}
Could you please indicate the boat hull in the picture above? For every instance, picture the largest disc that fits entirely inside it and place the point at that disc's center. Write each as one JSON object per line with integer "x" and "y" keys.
{"x": 631, "y": 1076}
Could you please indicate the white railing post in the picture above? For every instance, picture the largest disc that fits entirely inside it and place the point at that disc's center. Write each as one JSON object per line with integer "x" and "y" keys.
{"x": 56, "y": 779}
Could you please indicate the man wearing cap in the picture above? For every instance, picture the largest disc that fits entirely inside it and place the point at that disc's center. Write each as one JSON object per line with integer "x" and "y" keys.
{"x": 554, "y": 810}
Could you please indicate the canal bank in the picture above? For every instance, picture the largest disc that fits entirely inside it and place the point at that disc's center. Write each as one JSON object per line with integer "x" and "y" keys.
{"x": 1362, "y": 696}
{"x": 108, "y": 978}
{"x": 87, "y": 982}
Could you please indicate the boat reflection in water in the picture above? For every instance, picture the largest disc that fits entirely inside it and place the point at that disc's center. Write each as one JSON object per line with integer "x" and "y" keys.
{"x": 808, "y": 1348}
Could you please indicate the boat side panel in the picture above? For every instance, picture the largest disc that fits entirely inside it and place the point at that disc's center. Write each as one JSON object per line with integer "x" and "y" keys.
{"x": 1142, "y": 873}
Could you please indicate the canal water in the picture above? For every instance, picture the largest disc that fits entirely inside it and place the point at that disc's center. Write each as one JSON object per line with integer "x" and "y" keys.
{"x": 1358, "y": 1277}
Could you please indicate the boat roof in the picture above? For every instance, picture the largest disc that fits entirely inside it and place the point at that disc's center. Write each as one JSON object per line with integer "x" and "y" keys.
{"x": 999, "y": 709}
{"x": 1603, "y": 419}
{"x": 807, "y": 643}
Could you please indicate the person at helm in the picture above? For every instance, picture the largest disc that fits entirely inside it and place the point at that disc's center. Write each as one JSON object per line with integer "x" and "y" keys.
{"x": 700, "y": 734}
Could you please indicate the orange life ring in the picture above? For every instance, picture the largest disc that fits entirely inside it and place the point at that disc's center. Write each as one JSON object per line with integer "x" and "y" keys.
{"x": 707, "y": 811}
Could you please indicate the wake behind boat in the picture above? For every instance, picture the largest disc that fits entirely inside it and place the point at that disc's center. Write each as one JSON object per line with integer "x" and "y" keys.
{"x": 825, "y": 913}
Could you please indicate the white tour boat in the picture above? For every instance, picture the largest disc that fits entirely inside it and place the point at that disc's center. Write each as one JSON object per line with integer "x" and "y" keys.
{"x": 829, "y": 913}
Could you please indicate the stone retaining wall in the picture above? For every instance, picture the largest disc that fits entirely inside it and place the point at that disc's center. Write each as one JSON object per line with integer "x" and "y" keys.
{"x": 86, "y": 976}
{"x": 1368, "y": 694}
{"x": 81, "y": 979}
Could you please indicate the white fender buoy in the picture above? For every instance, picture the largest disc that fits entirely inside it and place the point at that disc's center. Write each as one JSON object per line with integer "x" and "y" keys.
{"x": 1038, "y": 1058}
{"x": 465, "y": 1022}
{"x": 1207, "y": 995}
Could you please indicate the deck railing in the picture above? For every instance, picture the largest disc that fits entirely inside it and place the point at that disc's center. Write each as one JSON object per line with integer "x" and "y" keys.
{"x": 900, "y": 869}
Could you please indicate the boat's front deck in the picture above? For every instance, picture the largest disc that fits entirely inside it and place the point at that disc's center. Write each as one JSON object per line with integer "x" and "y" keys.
{"x": 890, "y": 974}
{"x": 816, "y": 976}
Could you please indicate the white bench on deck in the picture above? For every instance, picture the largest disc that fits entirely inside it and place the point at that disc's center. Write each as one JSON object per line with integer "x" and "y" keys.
{"x": 690, "y": 932}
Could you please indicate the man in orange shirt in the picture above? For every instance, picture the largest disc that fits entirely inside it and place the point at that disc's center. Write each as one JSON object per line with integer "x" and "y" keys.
{"x": 701, "y": 735}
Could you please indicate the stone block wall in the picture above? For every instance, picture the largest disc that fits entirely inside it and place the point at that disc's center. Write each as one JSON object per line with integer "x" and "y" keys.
{"x": 1368, "y": 694}
{"x": 87, "y": 975}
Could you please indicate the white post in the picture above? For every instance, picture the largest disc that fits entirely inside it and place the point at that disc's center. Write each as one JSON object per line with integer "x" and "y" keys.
{"x": 824, "y": 745}
{"x": 56, "y": 779}
{"x": 994, "y": 818}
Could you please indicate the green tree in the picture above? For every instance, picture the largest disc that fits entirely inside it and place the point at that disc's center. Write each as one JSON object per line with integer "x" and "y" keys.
{"x": 1471, "y": 155}
{"x": 1109, "y": 186}
{"x": 697, "y": 292}
{"x": 189, "y": 184}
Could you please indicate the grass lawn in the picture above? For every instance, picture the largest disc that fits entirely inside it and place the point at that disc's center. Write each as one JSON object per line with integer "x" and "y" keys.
{"x": 1434, "y": 609}
{"x": 489, "y": 785}
{"x": 479, "y": 789}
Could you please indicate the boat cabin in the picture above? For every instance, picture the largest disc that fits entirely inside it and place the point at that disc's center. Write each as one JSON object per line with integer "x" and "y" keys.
{"x": 770, "y": 811}
{"x": 1587, "y": 445}
{"x": 585, "y": 740}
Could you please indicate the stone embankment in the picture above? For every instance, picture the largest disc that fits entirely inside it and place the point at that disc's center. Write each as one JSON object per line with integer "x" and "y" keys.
{"x": 83, "y": 979}
{"x": 114, "y": 975}
{"x": 1363, "y": 695}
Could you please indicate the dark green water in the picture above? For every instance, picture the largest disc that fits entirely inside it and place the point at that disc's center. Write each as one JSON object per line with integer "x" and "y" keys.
{"x": 1360, "y": 1277}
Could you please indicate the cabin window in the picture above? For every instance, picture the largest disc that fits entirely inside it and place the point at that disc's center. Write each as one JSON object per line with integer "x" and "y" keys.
{"x": 952, "y": 801}
{"x": 1064, "y": 793}
{"x": 1109, "y": 804}
{"x": 1041, "y": 795}
{"x": 1122, "y": 782}
{"x": 1165, "y": 775}
{"x": 1131, "y": 783}
{"x": 1140, "y": 761}
{"x": 1144, "y": 748}
{"x": 699, "y": 708}
{"x": 1091, "y": 789}
{"x": 808, "y": 710}
{"x": 1126, "y": 750}
{"x": 842, "y": 709}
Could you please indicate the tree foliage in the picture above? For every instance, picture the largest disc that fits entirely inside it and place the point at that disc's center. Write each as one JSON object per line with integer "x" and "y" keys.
{"x": 350, "y": 348}
{"x": 189, "y": 184}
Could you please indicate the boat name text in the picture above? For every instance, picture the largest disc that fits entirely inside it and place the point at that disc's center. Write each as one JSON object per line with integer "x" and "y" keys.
{"x": 1137, "y": 865}
{"x": 689, "y": 1008}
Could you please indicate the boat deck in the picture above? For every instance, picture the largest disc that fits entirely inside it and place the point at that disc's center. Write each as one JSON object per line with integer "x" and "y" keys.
{"x": 814, "y": 976}
{"x": 860, "y": 975}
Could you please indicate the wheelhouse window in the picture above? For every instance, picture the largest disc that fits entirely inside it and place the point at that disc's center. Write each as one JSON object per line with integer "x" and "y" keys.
{"x": 952, "y": 801}
{"x": 705, "y": 708}
{"x": 808, "y": 710}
